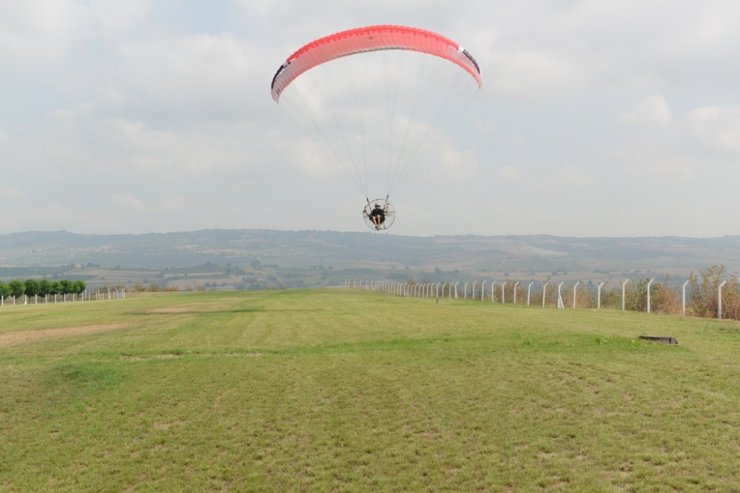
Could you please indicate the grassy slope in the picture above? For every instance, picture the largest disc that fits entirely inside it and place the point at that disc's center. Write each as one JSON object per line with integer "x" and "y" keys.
{"x": 344, "y": 390}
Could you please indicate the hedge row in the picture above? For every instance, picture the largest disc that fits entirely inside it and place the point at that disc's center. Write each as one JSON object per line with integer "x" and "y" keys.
{"x": 40, "y": 287}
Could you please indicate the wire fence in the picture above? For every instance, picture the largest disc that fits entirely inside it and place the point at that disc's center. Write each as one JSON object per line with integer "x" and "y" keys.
{"x": 97, "y": 295}
{"x": 718, "y": 298}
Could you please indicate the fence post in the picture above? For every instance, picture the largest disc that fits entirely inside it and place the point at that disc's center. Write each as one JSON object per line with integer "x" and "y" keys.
{"x": 544, "y": 293}
{"x": 683, "y": 298}
{"x": 465, "y": 291}
{"x": 650, "y": 283}
{"x": 493, "y": 291}
{"x": 719, "y": 299}
{"x": 482, "y": 290}
{"x": 575, "y": 288}
{"x": 560, "y": 297}
{"x": 624, "y": 291}
{"x": 503, "y": 292}
{"x": 598, "y": 295}
{"x": 515, "y": 286}
{"x": 529, "y": 291}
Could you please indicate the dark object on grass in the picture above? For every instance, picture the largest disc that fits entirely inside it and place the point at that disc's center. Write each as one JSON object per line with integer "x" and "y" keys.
{"x": 665, "y": 339}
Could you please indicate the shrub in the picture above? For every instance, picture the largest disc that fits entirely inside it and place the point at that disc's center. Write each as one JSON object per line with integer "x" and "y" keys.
{"x": 704, "y": 291}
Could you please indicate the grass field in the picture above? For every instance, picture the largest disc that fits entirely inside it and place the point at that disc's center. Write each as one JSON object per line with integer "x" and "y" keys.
{"x": 355, "y": 391}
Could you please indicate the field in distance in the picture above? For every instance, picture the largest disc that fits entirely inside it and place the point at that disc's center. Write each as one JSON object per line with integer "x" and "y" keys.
{"x": 342, "y": 390}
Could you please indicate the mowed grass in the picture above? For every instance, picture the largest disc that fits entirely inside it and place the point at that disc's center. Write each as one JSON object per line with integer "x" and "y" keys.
{"x": 341, "y": 390}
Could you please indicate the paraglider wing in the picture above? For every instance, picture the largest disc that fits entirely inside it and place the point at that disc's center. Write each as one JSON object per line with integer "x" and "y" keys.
{"x": 372, "y": 38}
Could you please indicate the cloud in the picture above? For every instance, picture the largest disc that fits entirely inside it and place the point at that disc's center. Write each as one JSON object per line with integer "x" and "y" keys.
{"x": 668, "y": 156}
{"x": 534, "y": 75}
{"x": 40, "y": 29}
{"x": 12, "y": 193}
{"x": 652, "y": 110}
{"x": 718, "y": 129}
{"x": 701, "y": 139}
{"x": 196, "y": 77}
{"x": 506, "y": 172}
{"x": 127, "y": 201}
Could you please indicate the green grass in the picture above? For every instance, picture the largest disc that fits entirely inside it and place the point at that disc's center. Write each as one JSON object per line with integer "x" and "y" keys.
{"x": 356, "y": 391}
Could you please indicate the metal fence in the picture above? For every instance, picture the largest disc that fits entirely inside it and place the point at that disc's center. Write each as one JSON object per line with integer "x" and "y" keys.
{"x": 557, "y": 294}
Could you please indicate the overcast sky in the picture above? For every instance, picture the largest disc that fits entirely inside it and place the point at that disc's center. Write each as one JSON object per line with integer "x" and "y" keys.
{"x": 596, "y": 118}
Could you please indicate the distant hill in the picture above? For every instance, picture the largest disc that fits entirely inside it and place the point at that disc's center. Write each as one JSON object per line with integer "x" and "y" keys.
{"x": 300, "y": 254}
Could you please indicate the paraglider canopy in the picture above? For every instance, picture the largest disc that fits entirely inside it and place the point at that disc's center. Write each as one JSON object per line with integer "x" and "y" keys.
{"x": 371, "y": 38}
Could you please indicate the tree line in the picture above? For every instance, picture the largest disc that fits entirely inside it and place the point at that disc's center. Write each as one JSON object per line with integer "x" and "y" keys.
{"x": 40, "y": 287}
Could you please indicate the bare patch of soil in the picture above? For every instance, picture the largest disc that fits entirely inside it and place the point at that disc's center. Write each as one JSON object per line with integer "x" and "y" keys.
{"x": 31, "y": 336}
{"x": 187, "y": 308}
{"x": 174, "y": 309}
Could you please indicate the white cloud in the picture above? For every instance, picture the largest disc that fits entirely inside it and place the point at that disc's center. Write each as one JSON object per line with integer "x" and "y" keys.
{"x": 127, "y": 201}
{"x": 652, "y": 110}
{"x": 41, "y": 28}
{"x": 717, "y": 128}
{"x": 11, "y": 193}
{"x": 456, "y": 163}
{"x": 506, "y": 172}
{"x": 701, "y": 143}
{"x": 534, "y": 75}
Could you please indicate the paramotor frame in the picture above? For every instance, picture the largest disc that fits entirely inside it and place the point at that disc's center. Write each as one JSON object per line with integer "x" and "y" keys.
{"x": 379, "y": 214}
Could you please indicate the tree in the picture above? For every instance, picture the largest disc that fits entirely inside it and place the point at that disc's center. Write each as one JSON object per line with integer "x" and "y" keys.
{"x": 78, "y": 286}
{"x": 665, "y": 299}
{"x": 32, "y": 287}
{"x": 66, "y": 286}
{"x": 705, "y": 288}
{"x": 17, "y": 288}
{"x": 45, "y": 287}
{"x": 4, "y": 290}
{"x": 704, "y": 291}
{"x": 56, "y": 287}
